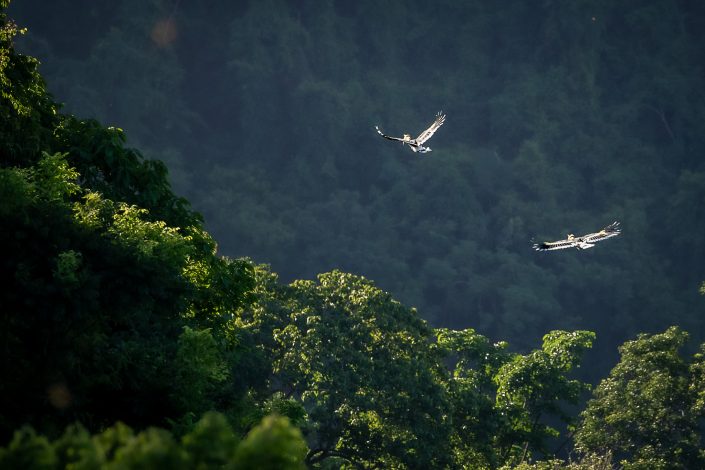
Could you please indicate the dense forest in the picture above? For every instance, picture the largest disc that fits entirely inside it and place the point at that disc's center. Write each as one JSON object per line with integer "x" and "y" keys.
{"x": 401, "y": 318}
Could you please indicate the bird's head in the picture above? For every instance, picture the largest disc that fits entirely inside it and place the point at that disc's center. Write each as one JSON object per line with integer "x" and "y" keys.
{"x": 571, "y": 236}
{"x": 407, "y": 136}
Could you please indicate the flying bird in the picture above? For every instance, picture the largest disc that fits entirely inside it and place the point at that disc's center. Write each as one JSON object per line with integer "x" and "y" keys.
{"x": 417, "y": 144}
{"x": 581, "y": 243}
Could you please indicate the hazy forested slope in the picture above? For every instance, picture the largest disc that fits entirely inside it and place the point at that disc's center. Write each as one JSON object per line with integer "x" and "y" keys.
{"x": 562, "y": 117}
{"x": 116, "y": 307}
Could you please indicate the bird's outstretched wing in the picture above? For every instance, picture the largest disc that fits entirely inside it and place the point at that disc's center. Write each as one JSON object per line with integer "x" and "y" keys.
{"x": 612, "y": 230}
{"x": 557, "y": 245}
{"x": 388, "y": 136}
{"x": 428, "y": 133}
{"x": 584, "y": 242}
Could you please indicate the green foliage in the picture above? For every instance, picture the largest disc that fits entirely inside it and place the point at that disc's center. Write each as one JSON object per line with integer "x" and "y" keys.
{"x": 27, "y": 113}
{"x": 58, "y": 179}
{"x": 476, "y": 421}
{"x": 131, "y": 283}
{"x": 647, "y": 412}
{"x": 560, "y": 120}
{"x": 28, "y": 450}
{"x": 77, "y": 449}
{"x": 111, "y": 288}
{"x": 533, "y": 386}
{"x": 16, "y": 191}
{"x": 68, "y": 264}
{"x": 105, "y": 268}
{"x": 152, "y": 448}
{"x": 211, "y": 443}
{"x": 562, "y": 117}
{"x": 274, "y": 443}
{"x": 366, "y": 372}
{"x": 116, "y": 305}
{"x": 587, "y": 462}
{"x": 120, "y": 173}
{"x": 501, "y": 400}
{"x": 200, "y": 366}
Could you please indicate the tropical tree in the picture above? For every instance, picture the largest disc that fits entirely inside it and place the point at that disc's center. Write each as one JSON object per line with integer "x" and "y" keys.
{"x": 501, "y": 400}
{"x": 111, "y": 288}
{"x": 366, "y": 372}
{"x": 648, "y": 412}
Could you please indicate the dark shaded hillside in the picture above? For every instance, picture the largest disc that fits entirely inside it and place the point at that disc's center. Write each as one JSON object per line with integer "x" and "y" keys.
{"x": 561, "y": 119}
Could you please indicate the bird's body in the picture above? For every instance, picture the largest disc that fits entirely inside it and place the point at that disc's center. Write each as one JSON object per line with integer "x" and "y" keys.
{"x": 581, "y": 243}
{"x": 416, "y": 144}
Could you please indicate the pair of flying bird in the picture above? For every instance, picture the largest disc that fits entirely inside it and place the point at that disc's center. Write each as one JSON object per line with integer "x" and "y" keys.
{"x": 581, "y": 243}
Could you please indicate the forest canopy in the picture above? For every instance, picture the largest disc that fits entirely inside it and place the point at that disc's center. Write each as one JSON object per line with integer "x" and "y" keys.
{"x": 131, "y": 338}
{"x": 561, "y": 119}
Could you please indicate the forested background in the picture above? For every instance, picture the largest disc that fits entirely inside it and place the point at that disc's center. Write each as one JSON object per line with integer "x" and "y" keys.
{"x": 562, "y": 117}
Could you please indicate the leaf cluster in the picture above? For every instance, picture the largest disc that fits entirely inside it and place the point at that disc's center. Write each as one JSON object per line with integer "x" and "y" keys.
{"x": 212, "y": 443}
